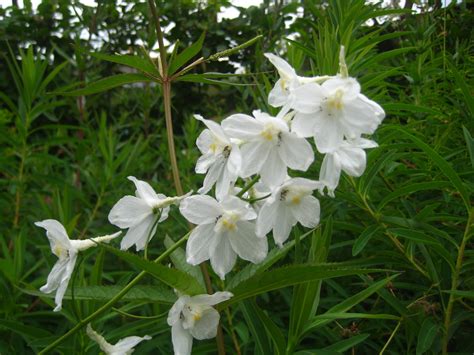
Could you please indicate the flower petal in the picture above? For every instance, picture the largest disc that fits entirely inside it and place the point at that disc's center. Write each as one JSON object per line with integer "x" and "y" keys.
{"x": 266, "y": 217}
{"x": 124, "y": 345}
{"x": 329, "y": 135}
{"x": 211, "y": 300}
{"x": 204, "y": 162}
{"x": 241, "y": 126}
{"x": 204, "y": 141}
{"x": 200, "y": 209}
{"x": 129, "y": 211}
{"x": 56, "y": 233}
{"x": 349, "y": 86}
{"x": 330, "y": 173}
{"x": 214, "y": 127}
{"x": 305, "y": 125}
{"x": 223, "y": 257}
{"x": 139, "y": 234}
{"x": 352, "y": 160}
{"x": 55, "y": 276}
{"x": 283, "y": 224}
{"x": 307, "y": 211}
{"x": 65, "y": 277}
{"x": 285, "y": 70}
{"x": 206, "y": 326}
{"x": 199, "y": 244}
{"x": 144, "y": 190}
{"x": 308, "y": 98}
{"x": 274, "y": 170}
{"x": 174, "y": 313}
{"x": 246, "y": 244}
{"x": 295, "y": 152}
{"x": 213, "y": 174}
{"x": 182, "y": 339}
{"x": 278, "y": 96}
{"x": 255, "y": 154}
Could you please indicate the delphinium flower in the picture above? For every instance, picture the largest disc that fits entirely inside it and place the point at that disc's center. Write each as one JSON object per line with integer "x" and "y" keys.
{"x": 124, "y": 346}
{"x": 286, "y": 92}
{"x": 349, "y": 157}
{"x": 194, "y": 317}
{"x": 268, "y": 147}
{"x": 220, "y": 158}
{"x": 289, "y": 203}
{"x": 66, "y": 250}
{"x": 335, "y": 110}
{"x": 224, "y": 230}
{"x": 141, "y": 214}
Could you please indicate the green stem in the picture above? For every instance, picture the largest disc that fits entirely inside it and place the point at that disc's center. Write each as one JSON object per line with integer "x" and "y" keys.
{"x": 455, "y": 280}
{"x": 113, "y": 300}
{"x": 248, "y": 186}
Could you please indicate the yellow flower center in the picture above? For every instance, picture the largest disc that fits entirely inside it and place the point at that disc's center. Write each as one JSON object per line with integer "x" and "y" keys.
{"x": 269, "y": 132}
{"x": 58, "y": 251}
{"x": 335, "y": 101}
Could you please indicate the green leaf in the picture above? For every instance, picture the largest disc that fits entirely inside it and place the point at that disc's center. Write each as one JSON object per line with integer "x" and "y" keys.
{"x": 183, "y": 57}
{"x": 263, "y": 343}
{"x": 414, "y": 235}
{"x": 178, "y": 257}
{"x": 443, "y": 165}
{"x": 273, "y": 256}
{"x": 207, "y": 79}
{"x": 349, "y": 303}
{"x": 343, "y": 315}
{"x": 364, "y": 238}
{"x": 461, "y": 83}
{"x": 107, "y": 84}
{"x": 397, "y": 107}
{"x": 144, "y": 293}
{"x": 27, "y": 332}
{"x": 403, "y": 191}
{"x": 461, "y": 294}
{"x": 288, "y": 276}
{"x": 273, "y": 332}
{"x": 142, "y": 64}
{"x": 174, "y": 278}
{"x": 469, "y": 143}
{"x": 346, "y": 344}
{"x": 426, "y": 336}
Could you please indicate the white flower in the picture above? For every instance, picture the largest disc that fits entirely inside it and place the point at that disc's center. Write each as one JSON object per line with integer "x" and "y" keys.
{"x": 268, "y": 146}
{"x": 123, "y": 347}
{"x": 141, "y": 214}
{"x": 349, "y": 157}
{"x": 289, "y": 203}
{"x": 66, "y": 250}
{"x": 223, "y": 232}
{"x": 334, "y": 110}
{"x": 283, "y": 93}
{"x": 220, "y": 159}
{"x": 194, "y": 317}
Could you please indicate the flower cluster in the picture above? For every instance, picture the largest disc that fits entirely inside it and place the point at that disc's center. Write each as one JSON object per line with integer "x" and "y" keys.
{"x": 258, "y": 151}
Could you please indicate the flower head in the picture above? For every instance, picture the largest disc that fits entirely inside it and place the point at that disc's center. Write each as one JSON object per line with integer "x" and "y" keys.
{"x": 349, "y": 157}
{"x": 289, "y": 203}
{"x": 124, "y": 346}
{"x": 220, "y": 158}
{"x": 141, "y": 214}
{"x": 268, "y": 146}
{"x": 66, "y": 250}
{"x": 223, "y": 231}
{"x": 194, "y": 317}
{"x": 334, "y": 111}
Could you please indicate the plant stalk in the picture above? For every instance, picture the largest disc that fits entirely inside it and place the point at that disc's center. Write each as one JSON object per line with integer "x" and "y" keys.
{"x": 455, "y": 280}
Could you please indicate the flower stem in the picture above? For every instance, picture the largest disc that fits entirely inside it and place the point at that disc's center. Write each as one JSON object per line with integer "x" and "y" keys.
{"x": 455, "y": 280}
{"x": 114, "y": 299}
{"x": 248, "y": 186}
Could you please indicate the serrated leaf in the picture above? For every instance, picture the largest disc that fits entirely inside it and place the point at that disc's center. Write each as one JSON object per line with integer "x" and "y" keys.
{"x": 107, "y": 84}
{"x": 174, "y": 278}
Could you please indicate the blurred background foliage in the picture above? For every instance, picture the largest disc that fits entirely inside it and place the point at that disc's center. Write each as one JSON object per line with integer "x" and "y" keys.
{"x": 68, "y": 158}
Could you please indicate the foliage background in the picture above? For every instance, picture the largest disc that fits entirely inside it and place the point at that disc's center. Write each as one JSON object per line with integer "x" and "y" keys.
{"x": 68, "y": 158}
